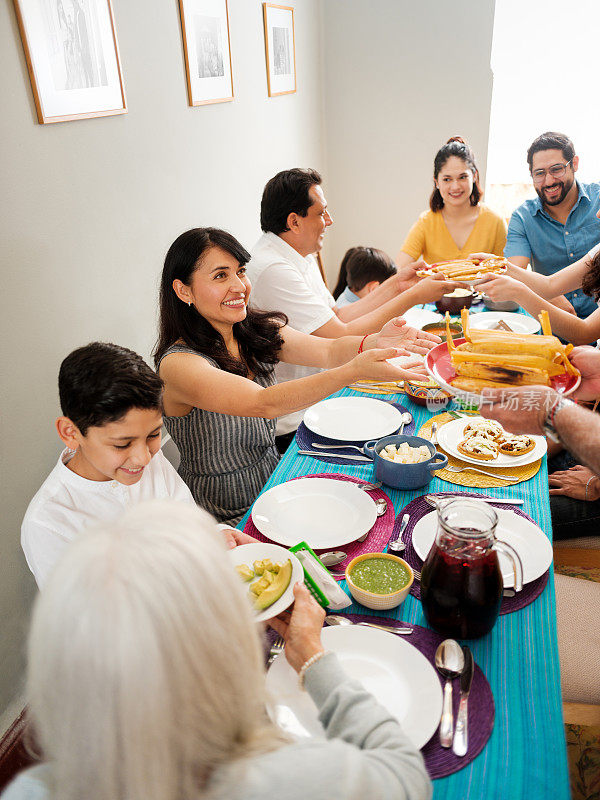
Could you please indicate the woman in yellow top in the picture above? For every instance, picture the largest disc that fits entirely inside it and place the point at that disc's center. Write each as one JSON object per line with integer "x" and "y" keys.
{"x": 457, "y": 224}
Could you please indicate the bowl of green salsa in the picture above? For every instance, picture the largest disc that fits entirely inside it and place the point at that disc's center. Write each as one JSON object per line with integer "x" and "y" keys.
{"x": 379, "y": 580}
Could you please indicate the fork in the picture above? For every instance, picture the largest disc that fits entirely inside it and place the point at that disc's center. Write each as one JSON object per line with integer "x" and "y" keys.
{"x": 337, "y": 446}
{"x": 276, "y": 649}
{"x": 514, "y": 478}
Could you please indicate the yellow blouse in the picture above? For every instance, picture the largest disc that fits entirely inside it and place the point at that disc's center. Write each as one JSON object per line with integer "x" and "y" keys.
{"x": 430, "y": 239}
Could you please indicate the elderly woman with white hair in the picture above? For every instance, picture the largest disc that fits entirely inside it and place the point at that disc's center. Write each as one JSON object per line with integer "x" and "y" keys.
{"x": 146, "y": 681}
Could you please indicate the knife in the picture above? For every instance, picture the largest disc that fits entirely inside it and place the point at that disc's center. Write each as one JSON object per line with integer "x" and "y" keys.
{"x": 324, "y": 454}
{"x": 388, "y": 628}
{"x": 433, "y": 499}
{"x": 461, "y": 736}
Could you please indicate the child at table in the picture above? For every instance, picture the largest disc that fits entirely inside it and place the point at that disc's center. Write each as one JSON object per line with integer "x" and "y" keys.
{"x": 362, "y": 270}
{"x": 111, "y": 423}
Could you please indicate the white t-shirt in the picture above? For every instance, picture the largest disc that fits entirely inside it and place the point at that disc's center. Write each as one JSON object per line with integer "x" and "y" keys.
{"x": 283, "y": 280}
{"x": 66, "y": 504}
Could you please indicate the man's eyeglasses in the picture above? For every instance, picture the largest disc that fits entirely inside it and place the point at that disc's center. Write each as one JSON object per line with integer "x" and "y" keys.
{"x": 556, "y": 171}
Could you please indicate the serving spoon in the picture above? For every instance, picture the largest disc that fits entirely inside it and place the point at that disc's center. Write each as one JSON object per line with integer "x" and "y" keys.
{"x": 450, "y": 662}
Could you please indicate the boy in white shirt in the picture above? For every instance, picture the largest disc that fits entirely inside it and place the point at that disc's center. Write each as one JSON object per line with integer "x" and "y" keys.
{"x": 111, "y": 425}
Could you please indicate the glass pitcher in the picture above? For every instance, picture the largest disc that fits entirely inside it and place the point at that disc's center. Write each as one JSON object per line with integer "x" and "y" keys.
{"x": 461, "y": 582}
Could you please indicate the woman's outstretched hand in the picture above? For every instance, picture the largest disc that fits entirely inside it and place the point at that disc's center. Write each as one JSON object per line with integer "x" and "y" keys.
{"x": 374, "y": 365}
{"x": 397, "y": 333}
{"x": 301, "y": 629}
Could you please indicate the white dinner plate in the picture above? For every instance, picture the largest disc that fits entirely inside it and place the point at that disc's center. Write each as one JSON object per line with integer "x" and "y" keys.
{"x": 323, "y": 512}
{"x": 249, "y": 553}
{"x": 394, "y": 671}
{"x": 450, "y": 434}
{"x": 417, "y": 317}
{"x": 352, "y": 419}
{"x": 530, "y": 542}
{"x": 519, "y": 323}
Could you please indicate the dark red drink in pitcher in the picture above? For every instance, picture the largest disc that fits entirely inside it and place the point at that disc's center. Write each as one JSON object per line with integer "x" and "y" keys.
{"x": 461, "y": 582}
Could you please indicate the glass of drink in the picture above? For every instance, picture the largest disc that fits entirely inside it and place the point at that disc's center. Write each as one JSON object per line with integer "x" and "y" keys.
{"x": 461, "y": 582}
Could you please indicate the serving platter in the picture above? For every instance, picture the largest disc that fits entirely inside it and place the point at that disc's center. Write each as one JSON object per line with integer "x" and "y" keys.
{"x": 451, "y": 433}
{"x": 439, "y": 366}
{"x": 394, "y": 671}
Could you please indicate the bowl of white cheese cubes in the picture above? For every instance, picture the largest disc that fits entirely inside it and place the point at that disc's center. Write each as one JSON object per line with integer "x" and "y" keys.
{"x": 405, "y": 462}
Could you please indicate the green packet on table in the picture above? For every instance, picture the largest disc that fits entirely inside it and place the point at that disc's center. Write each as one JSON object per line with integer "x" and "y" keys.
{"x": 318, "y": 580}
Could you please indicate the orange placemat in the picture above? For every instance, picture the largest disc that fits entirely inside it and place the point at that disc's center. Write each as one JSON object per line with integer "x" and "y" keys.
{"x": 469, "y": 478}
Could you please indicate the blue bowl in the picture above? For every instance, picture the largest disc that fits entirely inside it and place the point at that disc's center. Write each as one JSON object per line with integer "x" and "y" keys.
{"x": 404, "y": 476}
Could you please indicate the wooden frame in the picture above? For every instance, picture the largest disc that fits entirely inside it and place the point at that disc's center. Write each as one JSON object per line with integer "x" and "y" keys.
{"x": 281, "y": 54}
{"x": 209, "y": 75}
{"x": 72, "y": 57}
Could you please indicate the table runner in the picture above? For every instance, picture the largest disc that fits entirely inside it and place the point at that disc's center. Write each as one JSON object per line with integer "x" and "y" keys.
{"x": 525, "y": 756}
{"x": 418, "y": 508}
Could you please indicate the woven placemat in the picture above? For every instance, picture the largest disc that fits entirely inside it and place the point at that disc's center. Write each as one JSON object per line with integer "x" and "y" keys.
{"x": 469, "y": 478}
{"x": 305, "y": 439}
{"x": 440, "y": 761}
{"x": 418, "y": 508}
{"x": 378, "y": 536}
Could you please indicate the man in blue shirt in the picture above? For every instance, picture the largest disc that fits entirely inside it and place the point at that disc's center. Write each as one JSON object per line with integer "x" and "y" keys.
{"x": 559, "y": 226}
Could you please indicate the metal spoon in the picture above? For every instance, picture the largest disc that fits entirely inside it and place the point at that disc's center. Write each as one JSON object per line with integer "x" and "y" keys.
{"x": 450, "y": 661}
{"x": 405, "y": 419}
{"x": 331, "y": 619}
{"x": 398, "y": 546}
{"x": 333, "y": 558}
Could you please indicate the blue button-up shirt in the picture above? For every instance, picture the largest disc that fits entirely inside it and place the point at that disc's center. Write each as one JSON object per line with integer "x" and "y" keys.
{"x": 550, "y": 245}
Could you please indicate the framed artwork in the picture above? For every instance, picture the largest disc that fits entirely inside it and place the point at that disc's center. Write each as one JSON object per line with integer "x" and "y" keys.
{"x": 205, "y": 29}
{"x": 280, "y": 49}
{"x": 72, "y": 57}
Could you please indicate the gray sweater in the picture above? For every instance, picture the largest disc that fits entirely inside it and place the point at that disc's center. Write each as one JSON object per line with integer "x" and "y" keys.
{"x": 367, "y": 755}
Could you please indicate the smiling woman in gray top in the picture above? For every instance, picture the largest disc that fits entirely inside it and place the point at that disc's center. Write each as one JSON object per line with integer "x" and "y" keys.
{"x": 146, "y": 682}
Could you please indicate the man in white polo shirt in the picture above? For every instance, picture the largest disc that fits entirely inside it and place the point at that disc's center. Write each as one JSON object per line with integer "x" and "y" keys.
{"x": 285, "y": 276}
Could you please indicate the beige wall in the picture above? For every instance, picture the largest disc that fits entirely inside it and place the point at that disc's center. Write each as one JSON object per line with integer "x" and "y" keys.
{"x": 401, "y": 77}
{"x": 90, "y": 207}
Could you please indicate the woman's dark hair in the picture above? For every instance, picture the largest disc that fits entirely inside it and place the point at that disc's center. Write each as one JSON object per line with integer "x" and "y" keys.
{"x": 551, "y": 141}
{"x": 591, "y": 279}
{"x": 360, "y": 266}
{"x": 101, "y": 382}
{"x": 459, "y": 148}
{"x": 286, "y": 193}
{"x": 258, "y": 335}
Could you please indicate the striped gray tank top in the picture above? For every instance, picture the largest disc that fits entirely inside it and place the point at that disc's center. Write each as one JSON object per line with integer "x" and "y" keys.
{"x": 225, "y": 460}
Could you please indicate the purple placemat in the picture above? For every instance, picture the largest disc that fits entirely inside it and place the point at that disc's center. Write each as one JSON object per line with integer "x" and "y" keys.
{"x": 305, "y": 439}
{"x": 418, "y": 508}
{"x": 440, "y": 761}
{"x": 377, "y": 538}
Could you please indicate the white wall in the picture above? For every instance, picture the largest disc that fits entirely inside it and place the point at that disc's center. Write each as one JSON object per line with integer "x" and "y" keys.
{"x": 400, "y": 78}
{"x": 89, "y": 209}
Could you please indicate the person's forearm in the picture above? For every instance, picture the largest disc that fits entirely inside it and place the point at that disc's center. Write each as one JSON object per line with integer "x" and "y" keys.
{"x": 563, "y": 323}
{"x": 540, "y": 284}
{"x": 579, "y": 431}
{"x": 375, "y": 320}
{"x": 386, "y": 291}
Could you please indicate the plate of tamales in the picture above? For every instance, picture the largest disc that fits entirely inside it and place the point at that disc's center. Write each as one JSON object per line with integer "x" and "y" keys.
{"x": 501, "y": 360}
{"x": 470, "y": 271}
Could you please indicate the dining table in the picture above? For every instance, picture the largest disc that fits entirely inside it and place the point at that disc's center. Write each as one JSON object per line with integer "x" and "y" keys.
{"x": 525, "y": 756}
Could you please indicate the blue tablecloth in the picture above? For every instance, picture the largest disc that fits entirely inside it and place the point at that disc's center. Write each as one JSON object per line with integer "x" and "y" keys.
{"x": 525, "y": 758}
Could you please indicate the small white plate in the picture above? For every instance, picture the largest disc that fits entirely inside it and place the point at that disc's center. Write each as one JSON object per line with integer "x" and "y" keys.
{"x": 352, "y": 419}
{"x": 450, "y": 434}
{"x": 394, "y": 671}
{"x": 519, "y": 323}
{"x": 322, "y": 512}
{"x": 530, "y": 542}
{"x": 249, "y": 553}
{"x": 418, "y": 317}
